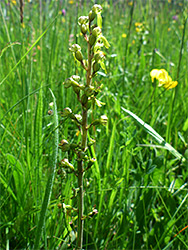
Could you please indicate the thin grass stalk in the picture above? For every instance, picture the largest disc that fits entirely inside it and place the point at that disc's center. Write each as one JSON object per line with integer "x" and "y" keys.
{"x": 28, "y": 51}
{"x": 41, "y": 64}
{"x": 109, "y": 160}
{"x": 49, "y": 185}
{"x": 13, "y": 54}
{"x": 175, "y": 93}
{"x": 129, "y": 32}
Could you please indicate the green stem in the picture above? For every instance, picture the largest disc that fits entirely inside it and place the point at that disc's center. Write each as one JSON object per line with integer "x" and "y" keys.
{"x": 80, "y": 181}
{"x": 80, "y": 161}
{"x": 80, "y": 205}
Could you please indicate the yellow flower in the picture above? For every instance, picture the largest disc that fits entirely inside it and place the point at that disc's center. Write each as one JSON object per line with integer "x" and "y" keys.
{"x": 138, "y": 24}
{"x": 130, "y": 3}
{"x": 71, "y": 2}
{"x": 23, "y": 25}
{"x": 163, "y": 77}
{"x": 124, "y": 35}
{"x": 13, "y": 2}
{"x": 138, "y": 29}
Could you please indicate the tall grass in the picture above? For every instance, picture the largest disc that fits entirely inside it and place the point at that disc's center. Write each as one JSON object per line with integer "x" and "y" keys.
{"x": 139, "y": 190}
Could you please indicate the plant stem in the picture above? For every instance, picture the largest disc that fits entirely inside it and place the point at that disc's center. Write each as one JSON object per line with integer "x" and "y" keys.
{"x": 80, "y": 180}
{"x": 80, "y": 161}
{"x": 80, "y": 205}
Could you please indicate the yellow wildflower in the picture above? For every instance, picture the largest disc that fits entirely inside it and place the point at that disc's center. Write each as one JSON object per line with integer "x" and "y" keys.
{"x": 138, "y": 29}
{"x": 13, "y": 2}
{"x": 71, "y": 2}
{"x": 138, "y": 24}
{"x": 163, "y": 77}
{"x": 124, "y": 35}
{"x": 23, "y": 25}
{"x": 130, "y": 3}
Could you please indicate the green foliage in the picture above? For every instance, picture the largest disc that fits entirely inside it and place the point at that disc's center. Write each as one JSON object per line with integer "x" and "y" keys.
{"x": 138, "y": 188}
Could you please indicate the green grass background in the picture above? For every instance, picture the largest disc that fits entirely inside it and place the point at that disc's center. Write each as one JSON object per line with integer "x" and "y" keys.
{"x": 138, "y": 187}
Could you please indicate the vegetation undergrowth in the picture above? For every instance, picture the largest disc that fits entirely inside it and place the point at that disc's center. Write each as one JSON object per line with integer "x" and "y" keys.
{"x": 135, "y": 193}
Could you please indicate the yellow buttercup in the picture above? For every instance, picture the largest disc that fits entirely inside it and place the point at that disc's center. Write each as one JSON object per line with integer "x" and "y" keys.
{"x": 163, "y": 77}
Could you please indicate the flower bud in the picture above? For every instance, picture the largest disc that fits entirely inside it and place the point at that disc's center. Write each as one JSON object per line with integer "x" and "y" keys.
{"x": 96, "y": 67}
{"x": 101, "y": 121}
{"x": 66, "y": 112}
{"x": 99, "y": 56}
{"x": 72, "y": 81}
{"x": 78, "y": 117}
{"x": 92, "y": 39}
{"x": 89, "y": 91}
{"x": 98, "y": 46}
{"x": 104, "y": 119}
{"x": 64, "y": 145}
{"x": 84, "y": 28}
{"x": 84, "y": 99}
{"x": 94, "y": 212}
{"x": 97, "y": 8}
{"x": 83, "y": 20}
{"x": 66, "y": 164}
{"x": 76, "y": 90}
{"x": 75, "y": 47}
{"x": 79, "y": 56}
{"x": 92, "y": 16}
{"x": 67, "y": 83}
{"x": 75, "y": 78}
{"x": 96, "y": 31}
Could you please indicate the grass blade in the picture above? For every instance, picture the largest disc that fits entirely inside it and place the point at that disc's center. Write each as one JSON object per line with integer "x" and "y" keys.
{"x": 50, "y": 179}
{"x": 155, "y": 135}
{"x": 33, "y": 45}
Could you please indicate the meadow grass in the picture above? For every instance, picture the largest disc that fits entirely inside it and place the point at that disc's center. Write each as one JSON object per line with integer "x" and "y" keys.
{"x": 138, "y": 184}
